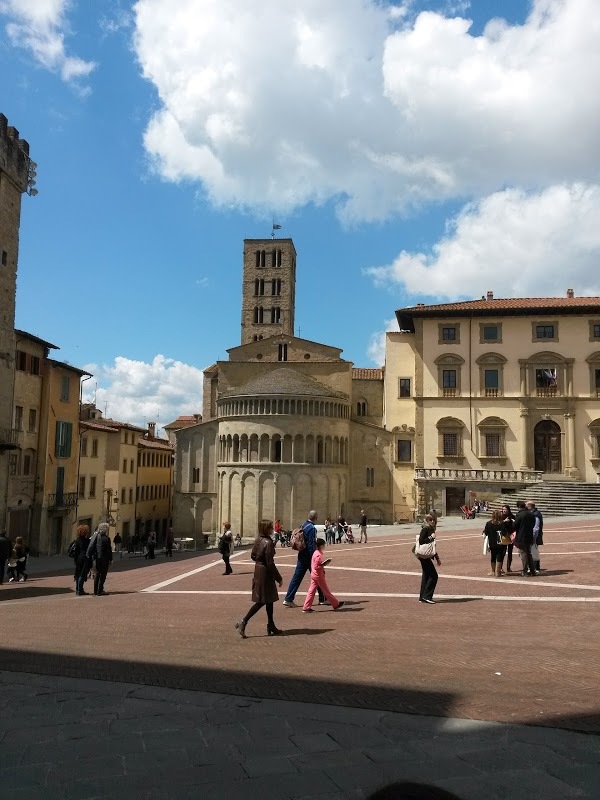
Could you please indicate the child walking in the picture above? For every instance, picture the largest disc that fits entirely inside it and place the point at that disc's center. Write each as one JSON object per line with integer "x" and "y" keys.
{"x": 318, "y": 581}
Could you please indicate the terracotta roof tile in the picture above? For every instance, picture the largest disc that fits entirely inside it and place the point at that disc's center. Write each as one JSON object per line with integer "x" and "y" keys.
{"x": 156, "y": 444}
{"x": 506, "y": 304}
{"x": 93, "y": 425}
{"x": 184, "y": 421}
{"x": 364, "y": 374}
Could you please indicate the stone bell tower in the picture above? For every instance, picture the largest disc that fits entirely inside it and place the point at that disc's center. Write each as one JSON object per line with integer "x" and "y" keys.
{"x": 14, "y": 180}
{"x": 268, "y": 289}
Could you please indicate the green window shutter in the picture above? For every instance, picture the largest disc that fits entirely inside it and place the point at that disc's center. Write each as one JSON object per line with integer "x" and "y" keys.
{"x": 68, "y": 438}
{"x": 57, "y": 440}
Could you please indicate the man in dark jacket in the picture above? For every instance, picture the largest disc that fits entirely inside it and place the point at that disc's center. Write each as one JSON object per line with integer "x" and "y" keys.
{"x": 524, "y": 524}
{"x": 5, "y": 549}
{"x": 304, "y": 559}
{"x": 538, "y": 533}
{"x": 100, "y": 550}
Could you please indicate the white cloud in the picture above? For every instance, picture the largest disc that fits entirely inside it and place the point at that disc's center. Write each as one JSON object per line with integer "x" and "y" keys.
{"x": 40, "y": 26}
{"x": 376, "y": 348}
{"x": 138, "y": 392}
{"x": 274, "y": 104}
{"x": 513, "y": 243}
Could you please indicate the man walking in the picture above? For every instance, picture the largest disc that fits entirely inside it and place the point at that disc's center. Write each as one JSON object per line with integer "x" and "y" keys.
{"x": 100, "y": 549}
{"x": 363, "y": 526}
{"x": 538, "y": 533}
{"x": 5, "y": 549}
{"x": 303, "y": 563}
{"x": 524, "y": 524}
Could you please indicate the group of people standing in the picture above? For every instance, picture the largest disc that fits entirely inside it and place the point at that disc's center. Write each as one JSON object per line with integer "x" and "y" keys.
{"x": 525, "y": 531}
{"x": 13, "y": 559}
{"x": 91, "y": 553}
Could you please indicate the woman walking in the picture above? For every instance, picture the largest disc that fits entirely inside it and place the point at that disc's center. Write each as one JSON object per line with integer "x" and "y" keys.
{"x": 426, "y": 543}
{"x": 493, "y": 531}
{"x": 508, "y": 527}
{"x": 266, "y": 575}
{"x": 82, "y": 563}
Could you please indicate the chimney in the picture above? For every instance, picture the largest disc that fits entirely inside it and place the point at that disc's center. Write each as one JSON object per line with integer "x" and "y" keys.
{"x": 570, "y": 294}
{"x": 490, "y": 295}
{"x": 151, "y": 430}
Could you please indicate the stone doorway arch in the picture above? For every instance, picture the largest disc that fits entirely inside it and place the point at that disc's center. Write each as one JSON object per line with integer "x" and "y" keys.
{"x": 547, "y": 446}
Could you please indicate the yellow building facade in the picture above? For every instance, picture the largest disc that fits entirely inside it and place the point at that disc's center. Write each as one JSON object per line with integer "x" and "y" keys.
{"x": 94, "y": 501}
{"x": 154, "y": 487}
{"x": 490, "y": 395}
{"x": 55, "y": 507}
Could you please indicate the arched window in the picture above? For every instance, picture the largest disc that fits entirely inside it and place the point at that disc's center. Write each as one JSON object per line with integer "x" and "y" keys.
{"x": 492, "y": 438}
{"x": 450, "y": 438}
{"x": 361, "y": 408}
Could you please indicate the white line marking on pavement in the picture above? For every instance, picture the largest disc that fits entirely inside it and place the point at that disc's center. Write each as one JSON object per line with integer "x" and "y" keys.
{"x": 168, "y": 582}
{"x": 505, "y": 580}
{"x": 571, "y": 552}
{"x": 400, "y": 595}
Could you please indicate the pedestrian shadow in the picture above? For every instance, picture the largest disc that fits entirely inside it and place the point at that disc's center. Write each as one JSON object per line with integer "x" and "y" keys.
{"x": 306, "y": 631}
{"x": 25, "y": 591}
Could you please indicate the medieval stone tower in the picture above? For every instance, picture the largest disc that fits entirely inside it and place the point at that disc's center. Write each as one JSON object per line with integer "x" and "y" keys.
{"x": 14, "y": 174}
{"x": 268, "y": 289}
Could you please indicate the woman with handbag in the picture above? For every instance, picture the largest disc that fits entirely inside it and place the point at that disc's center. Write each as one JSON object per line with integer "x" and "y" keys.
{"x": 493, "y": 531}
{"x": 425, "y": 550}
{"x": 266, "y": 575}
{"x": 508, "y": 528}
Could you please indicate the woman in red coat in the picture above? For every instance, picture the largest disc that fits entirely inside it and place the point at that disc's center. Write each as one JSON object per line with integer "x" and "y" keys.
{"x": 266, "y": 575}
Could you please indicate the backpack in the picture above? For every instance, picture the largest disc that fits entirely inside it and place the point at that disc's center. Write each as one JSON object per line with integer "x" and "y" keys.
{"x": 73, "y": 550}
{"x": 297, "y": 540}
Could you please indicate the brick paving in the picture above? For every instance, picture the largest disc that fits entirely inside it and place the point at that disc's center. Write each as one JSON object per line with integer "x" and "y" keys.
{"x": 391, "y": 655}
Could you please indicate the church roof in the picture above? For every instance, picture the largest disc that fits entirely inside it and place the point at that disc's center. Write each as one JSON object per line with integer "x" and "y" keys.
{"x": 283, "y": 381}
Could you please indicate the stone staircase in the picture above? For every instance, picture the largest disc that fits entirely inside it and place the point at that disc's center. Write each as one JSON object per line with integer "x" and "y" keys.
{"x": 555, "y": 498}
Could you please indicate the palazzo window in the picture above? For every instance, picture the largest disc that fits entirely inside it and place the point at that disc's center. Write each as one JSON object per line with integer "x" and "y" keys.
{"x": 403, "y": 387}
{"x": 490, "y": 333}
{"x": 594, "y": 330}
{"x": 404, "y": 451}
{"x": 594, "y": 363}
{"x": 448, "y": 333}
{"x": 547, "y": 374}
{"x": 275, "y": 315}
{"x": 546, "y": 381}
{"x": 259, "y": 287}
{"x": 450, "y": 438}
{"x": 544, "y": 331}
{"x": 449, "y": 374}
{"x": 492, "y": 438}
{"x": 594, "y": 427}
{"x": 491, "y": 374}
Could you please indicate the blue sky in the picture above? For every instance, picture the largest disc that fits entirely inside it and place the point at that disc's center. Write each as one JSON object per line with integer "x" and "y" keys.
{"x": 158, "y": 152}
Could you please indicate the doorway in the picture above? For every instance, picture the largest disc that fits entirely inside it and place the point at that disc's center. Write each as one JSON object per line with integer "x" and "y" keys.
{"x": 57, "y": 532}
{"x": 547, "y": 446}
{"x": 455, "y": 498}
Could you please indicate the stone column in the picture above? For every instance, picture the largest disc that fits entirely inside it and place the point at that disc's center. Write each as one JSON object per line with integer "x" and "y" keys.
{"x": 525, "y": 438}
{"x": 523, "y": 372}
{"x": 571, "y": 446}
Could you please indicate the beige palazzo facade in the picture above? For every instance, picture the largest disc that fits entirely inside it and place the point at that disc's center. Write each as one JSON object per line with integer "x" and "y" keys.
{"x": 490, "y": 395}
{"x": 287, "y": 424}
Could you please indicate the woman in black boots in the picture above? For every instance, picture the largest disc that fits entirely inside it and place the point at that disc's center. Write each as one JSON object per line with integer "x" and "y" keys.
{"x": 266, "y": 575}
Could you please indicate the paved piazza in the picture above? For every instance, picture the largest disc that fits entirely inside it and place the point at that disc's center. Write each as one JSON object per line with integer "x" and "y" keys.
{"x": 510, "y": 650}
